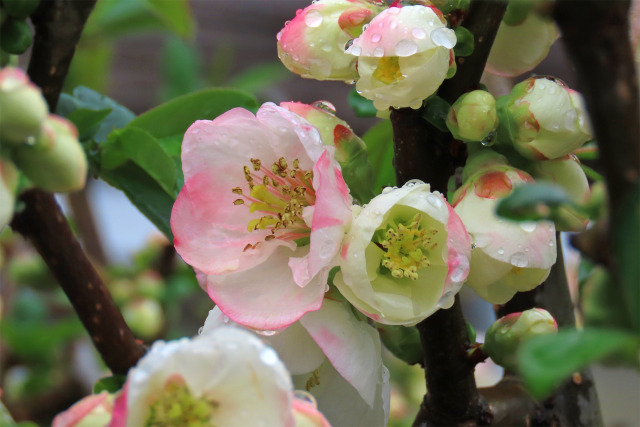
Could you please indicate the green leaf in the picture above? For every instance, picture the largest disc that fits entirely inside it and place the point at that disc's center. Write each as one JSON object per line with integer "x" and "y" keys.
{"x": 174, "y": 117}
{"x": 531, "y": 202}
{"x": 143, "y": 149}
{"x": 546, "y": 361}
{"x": 110, "y": 384}
{"x": 181, "y": 69}
{"x": 627, "y": 251}
{"x": 379, "y": 141}
{"x": 435, "y": 112}
{"x": 145, "y": 194}
{"x": 87, "y": 121}
{"x": 261, "y": 77}
{"x": 362, "y": 106}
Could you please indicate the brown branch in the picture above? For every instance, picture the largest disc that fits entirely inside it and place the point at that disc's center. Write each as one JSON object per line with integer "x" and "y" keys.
{"x": 596, "y": 34}
{"x": 84, "y": 219}
{"x": 423, "y": 152}
{"x": 58, "y": 26}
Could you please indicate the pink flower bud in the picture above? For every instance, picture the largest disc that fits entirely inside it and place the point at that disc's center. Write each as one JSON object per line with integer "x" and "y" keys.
{"x": 507, "y": 257}
{"x": 93, "y": 410}
{"x": 403, "y": 56}
{"x": 56, "y": 161}
{"x": 312, "y": 44}
{"x": 22, "y": 107}
{"x": 543, "y": 119}
{"x": 506, "y": 334}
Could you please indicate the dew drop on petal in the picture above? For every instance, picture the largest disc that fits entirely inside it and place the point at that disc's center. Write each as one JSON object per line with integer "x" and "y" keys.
{"x": 313, "y": 18}
{"x": 434, "y": 201}
{"x": 570, "y": 120}
{"x": 418, "y": 33}
{"x": 376, "y": 38}
{"x": 378, "y": 52}
{"x": 200, "y": 330}
{"x": 326, "y": 106}
{"x": 269, "y": 357}
{"x": 528, "y": 226}
{"x": 354, "y": 50}
{"x": 225, "y": 319}
{"x": 552, "y": 243}
{"x": 519, "y": 259}
{"x": 279, "y": 35}
{"x": 393, "y": 25}
{"x": 406, "y": 48}
{"x": 444, "y": 37}
{"x": 459, "y": 272}
{"x": 489, "y": 140}
{"x": 500, "y": 251}
{"x": 307, "y": 397}
{"x": 265, "y": 332}
{"x": 326, "y": 287}
{"x": 386, "y": 190}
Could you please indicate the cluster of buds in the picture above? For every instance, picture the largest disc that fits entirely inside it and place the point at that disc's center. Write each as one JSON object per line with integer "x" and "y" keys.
{"x": 43, "y": 146}
{"x": 398, "y": 55}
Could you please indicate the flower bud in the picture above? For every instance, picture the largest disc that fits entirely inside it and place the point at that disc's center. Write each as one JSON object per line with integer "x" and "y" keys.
{"x": 93, "y": 410}
{"x": 507, "y": 257}
{"x": 568, "y": 174}
{"x": 22, "y": 107}
{"x": 519, "y": 48}
{"x": 56, "y": 162}
{"x": 403, "y": 55}
{"x": 8, "y": 186}
{"x": 144, "y": 317}
{"x": 505, "y": 335}
{"x": 405, "y": 256}
{"x": 543, "y": 119}
{"x": 473, "y": 116}
{"x": 312, "y": 44}
{"x": 351, "y": 151}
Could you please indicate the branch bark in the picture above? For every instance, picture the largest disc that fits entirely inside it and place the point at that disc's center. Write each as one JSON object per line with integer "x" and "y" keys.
{"x": 423, "y": 152}
{"x": 58, "y": 25}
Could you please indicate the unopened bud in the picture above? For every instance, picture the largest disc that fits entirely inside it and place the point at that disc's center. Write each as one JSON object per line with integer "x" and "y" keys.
{"x": 144, "y": 317}
{"x": 506, "y": 334}
{"x": 8, "y": 186}
{"x": 93, "y": 410}
{"x": 543, "y": 119}
{"x": 22, "y": 107}
{"x": 473, "y": 116}
{"x": 56, "y": 161}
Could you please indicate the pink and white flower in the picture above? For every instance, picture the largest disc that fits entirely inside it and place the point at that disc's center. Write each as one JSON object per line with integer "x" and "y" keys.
{"x": 405, "y": 256}
{"x": 336, "y": 358}
{"x": 91, "y": 411}
{"x": 312, "y": 44}
{"x": 403, "y": 56}
{"x": 508, "y": 257}
{"x": 224, "y": 377}
{"x": 262, "y": 214}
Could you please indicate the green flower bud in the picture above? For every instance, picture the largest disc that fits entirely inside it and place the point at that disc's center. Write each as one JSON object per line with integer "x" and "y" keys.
{"x": 22, "y": 107}
{"x": 56, "y": 162}
{"x": 473, "y": 116}
{"x": 568, "y": 174}
{"x": 8, "y": 186}
{"x": 15, "y": 36}
{"x": 144, "y": 317}
{"x": 506, "y": 334}
{"x": 543, "y": 119}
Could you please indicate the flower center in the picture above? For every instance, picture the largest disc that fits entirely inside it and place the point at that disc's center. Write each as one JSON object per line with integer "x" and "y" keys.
{"x": 176, "y": 406}
{"x": 388, "y": 70}
{"x": 405, "y": 247}
{"x": 281, "y": 193}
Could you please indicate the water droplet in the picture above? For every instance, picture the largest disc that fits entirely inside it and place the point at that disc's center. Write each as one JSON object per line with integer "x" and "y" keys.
{"x": 386, "y": 190}
{"x": 444, "y": 37}
{"x": 406, "y": 48}
{"x": 393, "y": 25}
{"x": 473, "y": 246}
{"x": 418, "y": 33}
{"x": 307, "y": 397}
{"x": 354, "y": 50}
{"x": 500, "y": 251}
{"x": 225, "y": 319}
{"x": 269, "y": 357}
{"x": 394, "y": 10}
{"x": 298, "y": 12}
{"x": 266, "y": 332}
{"x": 313, "y": 18}
{"x": 326, "y": 48}
{"x": 570, "y": 119}
{"x": 552, "y": 90}
{"x": 364, "y": 27}
{"x": 459, "y": 272}
{"x": 31, "y": 140}
{"x": 489, "y": 140}
{"x": 541, "y": 85}
{"x": 200, "y": 329}
{"x": 326, "y": 250}
{"x": 378, "y": 52}
{"x": 519, "y": 259}
{"x": 326, "y": 287}
{"x": 376, "y": 38}
{"x": 326, "y": 106}
{"x": 279, "y": 35}
{"x": 528, "y": 226}
{"x": 434, "y": 201}
{"x": 552, "y": 243}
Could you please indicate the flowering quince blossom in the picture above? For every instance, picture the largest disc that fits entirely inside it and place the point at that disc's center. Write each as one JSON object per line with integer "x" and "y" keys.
{"x": 336, "y": 358}
{"x": 507, "y": 257}
{"x": 405, "y": 256}
{"x": 226, "y": 377}
{"x": 543, "y": 118}
{"x": 403, "y": 55}
{"x": 261, "y": 215}
{"x": 91, "y": 411}
{"x": 521, "y": 47}
{"x": 312, "y": 44}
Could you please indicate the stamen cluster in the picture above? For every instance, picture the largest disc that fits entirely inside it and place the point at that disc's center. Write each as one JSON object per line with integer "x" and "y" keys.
{"x": 177, "y": 406}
